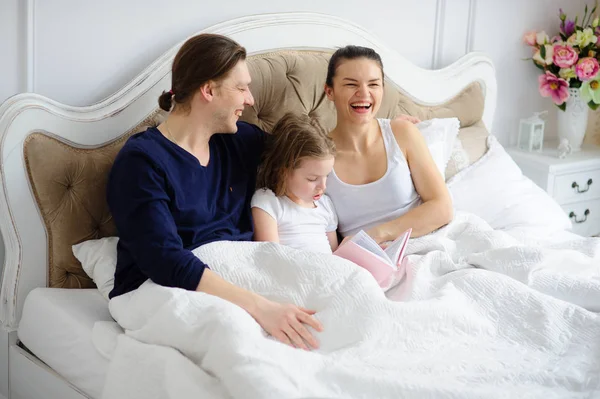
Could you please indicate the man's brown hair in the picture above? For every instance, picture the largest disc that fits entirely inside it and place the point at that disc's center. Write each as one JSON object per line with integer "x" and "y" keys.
{"x": 200, "y": 59}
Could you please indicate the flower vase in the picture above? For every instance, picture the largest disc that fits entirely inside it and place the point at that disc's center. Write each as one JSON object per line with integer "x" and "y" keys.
{"x": 572, "y": 122}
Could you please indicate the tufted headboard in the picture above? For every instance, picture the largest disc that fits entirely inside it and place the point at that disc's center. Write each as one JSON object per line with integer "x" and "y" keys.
{"x": 55, "y": 159}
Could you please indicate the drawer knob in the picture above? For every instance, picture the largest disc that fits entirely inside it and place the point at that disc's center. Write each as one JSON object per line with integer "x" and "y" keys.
{"x": 573, "y": 216}
{"x": 576, "y": 186}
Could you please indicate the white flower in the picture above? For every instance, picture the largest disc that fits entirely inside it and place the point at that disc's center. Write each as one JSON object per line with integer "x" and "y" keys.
{"x": 567, "y": 73}
{"x": 542, "y": 38}
{"x": 582, "y": 38}
{"x": 572, "y": 40}
{"x": 537, "y": 57}
{"x": 586, "y": 37}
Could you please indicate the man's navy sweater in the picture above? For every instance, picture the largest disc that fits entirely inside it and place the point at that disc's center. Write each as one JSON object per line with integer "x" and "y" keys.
{"x": 165, "y": 203}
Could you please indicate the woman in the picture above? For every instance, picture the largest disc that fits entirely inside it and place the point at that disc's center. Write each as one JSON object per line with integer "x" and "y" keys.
{"x": 384, "y": 179}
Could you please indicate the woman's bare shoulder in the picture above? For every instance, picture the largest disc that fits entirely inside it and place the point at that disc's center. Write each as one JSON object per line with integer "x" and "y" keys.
{"x": 406, "y": 132}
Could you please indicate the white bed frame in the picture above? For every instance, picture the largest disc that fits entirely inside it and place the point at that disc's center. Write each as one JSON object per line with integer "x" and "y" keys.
{"x": 25, "y": 264}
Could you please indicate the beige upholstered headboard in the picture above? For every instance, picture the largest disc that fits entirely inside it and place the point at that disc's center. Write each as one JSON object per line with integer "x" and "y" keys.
{"x": 69, "y": 182}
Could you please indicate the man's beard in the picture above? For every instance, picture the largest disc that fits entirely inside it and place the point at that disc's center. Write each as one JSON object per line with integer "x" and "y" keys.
{"x": 223, "y": 122}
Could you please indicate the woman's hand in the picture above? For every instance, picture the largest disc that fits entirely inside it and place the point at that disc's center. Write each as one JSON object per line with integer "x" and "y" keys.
{"x": 379, "y": 240}
{"x": 378, "y": 237}
{"x": 286, "y": 323}
{"x": 412, "y": 119}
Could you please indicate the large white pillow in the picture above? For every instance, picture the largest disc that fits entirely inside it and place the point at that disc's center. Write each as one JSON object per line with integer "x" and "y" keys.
{"x": 99, "y": 261}
{"x": 495, "y": 189}
{"x": 440, "y": 134}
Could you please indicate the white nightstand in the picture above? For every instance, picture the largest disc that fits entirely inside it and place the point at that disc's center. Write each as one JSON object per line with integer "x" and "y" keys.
{"x": 574, "y": 182}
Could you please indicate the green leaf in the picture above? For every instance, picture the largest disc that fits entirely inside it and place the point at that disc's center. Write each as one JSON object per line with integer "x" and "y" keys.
{"x": 543, "y": 52}
{"x": 563, "y": 37}
{"x": 576, "y": 83}
{"x": 584, "y": 52}
{"x": 593, "y": 105}
{"x": 562, "y": 106}
{"x": 539, "y": 66}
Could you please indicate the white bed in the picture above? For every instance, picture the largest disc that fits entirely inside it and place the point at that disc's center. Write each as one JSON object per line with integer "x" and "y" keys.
{"x": 64, "y": 328}
{"x": 70, "y": 334}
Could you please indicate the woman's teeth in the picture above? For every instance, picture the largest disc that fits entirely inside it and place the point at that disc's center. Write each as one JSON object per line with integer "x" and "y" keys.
{"x": 361, "y": 105}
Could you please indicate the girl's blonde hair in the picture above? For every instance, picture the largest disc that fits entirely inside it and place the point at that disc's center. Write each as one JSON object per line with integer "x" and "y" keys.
{"x": 293, "y": 138}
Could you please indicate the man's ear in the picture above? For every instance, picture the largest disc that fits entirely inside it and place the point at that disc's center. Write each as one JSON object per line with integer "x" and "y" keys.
{"x": 207, "y": 90}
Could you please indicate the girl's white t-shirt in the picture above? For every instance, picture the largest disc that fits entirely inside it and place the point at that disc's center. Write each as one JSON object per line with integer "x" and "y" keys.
{"x": 299, "y": 227}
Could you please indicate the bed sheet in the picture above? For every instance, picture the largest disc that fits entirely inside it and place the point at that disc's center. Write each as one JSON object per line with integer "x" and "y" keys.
{"x": 71, "y": 331}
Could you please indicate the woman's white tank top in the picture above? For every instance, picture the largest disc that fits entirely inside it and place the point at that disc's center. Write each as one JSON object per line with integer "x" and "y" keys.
{"x": 360, "y": 207}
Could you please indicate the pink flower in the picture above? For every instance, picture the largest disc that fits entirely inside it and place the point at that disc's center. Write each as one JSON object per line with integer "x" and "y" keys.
{"x": 587, "y": 68}
{"x": 564, "y": 55}
{"x": 552, "y": 86}
{"x": 530, "y": 38}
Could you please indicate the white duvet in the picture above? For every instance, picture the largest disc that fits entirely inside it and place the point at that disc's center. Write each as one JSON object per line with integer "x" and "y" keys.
{"x": 479, "y": 315}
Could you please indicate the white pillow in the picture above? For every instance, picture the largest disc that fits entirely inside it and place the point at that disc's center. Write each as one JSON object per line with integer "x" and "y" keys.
{"x": 440, "y": 134}
{"x": 99, "y": 261}
{"x": 495, "y": 189}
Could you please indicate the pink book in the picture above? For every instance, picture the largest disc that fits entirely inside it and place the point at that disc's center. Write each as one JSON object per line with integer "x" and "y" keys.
{"x": 381, "y": 263}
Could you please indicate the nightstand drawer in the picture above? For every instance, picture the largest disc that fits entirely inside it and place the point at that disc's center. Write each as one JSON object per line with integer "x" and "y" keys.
{"x": 575, "y": 187}
{"x": 585, "y": 217}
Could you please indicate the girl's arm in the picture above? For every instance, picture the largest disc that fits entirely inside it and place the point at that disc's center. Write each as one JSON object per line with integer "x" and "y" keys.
{"x": 265, "y": 227}
{"x": 436, "y": 209}
{"x": 333, "y": 240}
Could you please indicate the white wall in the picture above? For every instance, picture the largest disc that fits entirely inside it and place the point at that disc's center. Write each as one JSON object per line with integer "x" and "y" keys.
{"x": 79, "y": 52}
{"x": 82, "y": 52}
{"x": 12, "y": 80}
{"x": 12, "y": 51}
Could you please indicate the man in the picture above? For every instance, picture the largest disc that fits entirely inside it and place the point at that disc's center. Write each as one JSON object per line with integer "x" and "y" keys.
{"x": 189, "y": 182}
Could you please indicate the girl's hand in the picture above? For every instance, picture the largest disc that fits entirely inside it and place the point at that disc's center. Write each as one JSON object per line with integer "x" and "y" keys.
{"x": 285, "y": 322}
{"x": 346, "y": 239}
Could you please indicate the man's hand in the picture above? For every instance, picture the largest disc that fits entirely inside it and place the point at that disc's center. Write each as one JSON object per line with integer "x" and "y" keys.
{"x": 286, "y": 323}
{"x": 409, "y": 118}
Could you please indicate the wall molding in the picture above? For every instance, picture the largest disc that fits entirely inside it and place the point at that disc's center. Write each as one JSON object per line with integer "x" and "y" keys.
{"x": 438, "y": 34}
{"x": 469, "y": 42}
{"x": 30, "y": 37}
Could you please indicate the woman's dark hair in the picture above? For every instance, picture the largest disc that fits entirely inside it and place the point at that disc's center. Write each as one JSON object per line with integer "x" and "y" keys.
{"x": 202, "y": 58}
{"x": 350, "y": 53}
{"x": 293, "y": 138}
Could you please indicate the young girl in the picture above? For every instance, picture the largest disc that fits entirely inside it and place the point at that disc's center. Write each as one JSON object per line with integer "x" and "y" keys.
{"x": 290, "y": 206}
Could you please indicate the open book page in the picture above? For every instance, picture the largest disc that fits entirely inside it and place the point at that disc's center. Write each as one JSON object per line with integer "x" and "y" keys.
{"x": 364, "y": 240}
{"x": 395, "y": 250}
